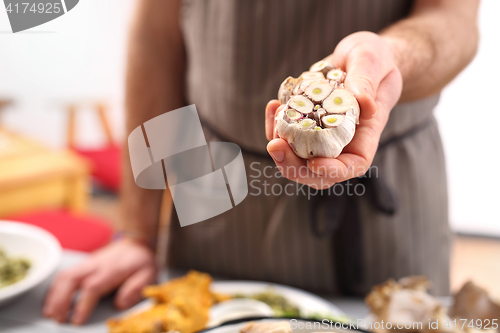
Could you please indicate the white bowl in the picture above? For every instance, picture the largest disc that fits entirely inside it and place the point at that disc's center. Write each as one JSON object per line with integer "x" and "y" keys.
{"x": 35, "y": 244}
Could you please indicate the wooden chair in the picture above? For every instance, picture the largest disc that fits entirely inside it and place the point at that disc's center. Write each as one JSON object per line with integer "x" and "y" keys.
{"x": 48, "y": 188}
{"x": 106, "y": 160}
{"x": 33, "y": 176}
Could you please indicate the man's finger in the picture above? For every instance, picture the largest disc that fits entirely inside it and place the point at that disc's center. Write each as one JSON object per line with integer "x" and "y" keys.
{"x": 389, "y": 90}
{"x": 357, "y": 156}
{"x": 92, "y": 289}
{"x": 365, "y": 70}
{"x": 60, "y": 295}
{"x": 131, "y": 291}
{"x": 362, "y": 89}
{"x": 294, "y": 167}
{"x": 272, "y": 107}
{"x": 344, "y": 167}
{"x": 87, "y": 301}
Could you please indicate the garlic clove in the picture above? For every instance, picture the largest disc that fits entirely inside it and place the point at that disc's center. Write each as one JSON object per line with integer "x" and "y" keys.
{"x": 312, "y": 76}
{"x": 339, "y": 101}
{"x": 292, "y": 115}
{"x": 299, "y": 87}
{"x": 303, "y": 85}
{"x": 336, "y": 75}
{"x": 334, "y": 84}
{"x": 318, "y": 91}
{"x": 301, "y": 104}
{"x": 321, "y": 66}
{"x": 333, "y": 120}
{"x": 307, "y": 123}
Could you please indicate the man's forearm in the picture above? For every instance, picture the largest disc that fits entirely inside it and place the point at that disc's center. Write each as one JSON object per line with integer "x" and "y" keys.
{"x": 433, "y": 44}
{"x": 155, "y": 82}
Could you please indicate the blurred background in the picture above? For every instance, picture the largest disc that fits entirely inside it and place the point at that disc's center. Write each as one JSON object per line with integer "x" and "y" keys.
{"x": 62, "y": 87}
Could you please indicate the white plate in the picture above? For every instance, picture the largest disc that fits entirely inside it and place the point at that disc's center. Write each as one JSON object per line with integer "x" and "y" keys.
{"x": 238, "y": 308}
{"x": 235, "y": 328}
{"x": 35, "y": 244}
{"x": 308, "y": 304}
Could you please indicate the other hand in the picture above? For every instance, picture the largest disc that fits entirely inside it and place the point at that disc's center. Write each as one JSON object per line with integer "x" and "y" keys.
{"x": 124, "y": 264}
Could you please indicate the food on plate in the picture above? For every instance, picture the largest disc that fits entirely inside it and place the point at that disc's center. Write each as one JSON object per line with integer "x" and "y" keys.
{"x": 149, "y": 321}
{"x": 12, "y": 269}
{"x": 281, "y": 306}
{"x": 319, "y": 116}
{"x": 278, "y": 327}
{"x": 474, "y": 303}
{"x": 407, "y": 301}
{"x": 194, "y": 286}
{"x": 181, "y": 305}
{"x": 415, "y": 283}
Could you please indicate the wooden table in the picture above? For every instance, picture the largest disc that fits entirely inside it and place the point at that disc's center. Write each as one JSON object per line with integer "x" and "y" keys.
{"x": 33, "y": 176}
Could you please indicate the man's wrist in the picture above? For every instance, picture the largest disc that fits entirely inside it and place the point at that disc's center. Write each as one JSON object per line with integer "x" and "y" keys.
{"x": 135, "y": 238}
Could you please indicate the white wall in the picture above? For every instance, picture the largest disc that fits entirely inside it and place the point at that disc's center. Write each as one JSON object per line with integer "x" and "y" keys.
{"x": 79, "y": 56}
{"x": 469, "y": 114}
{"x": 82, "y": 55}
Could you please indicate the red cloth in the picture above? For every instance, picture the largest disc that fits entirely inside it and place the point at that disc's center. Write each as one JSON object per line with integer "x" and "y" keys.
{"x": 105, "y": 165}
{"x": 80, "y": 232}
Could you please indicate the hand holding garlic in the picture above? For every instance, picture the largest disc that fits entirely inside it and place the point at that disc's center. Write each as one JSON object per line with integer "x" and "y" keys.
{"x": 319, "y": 103}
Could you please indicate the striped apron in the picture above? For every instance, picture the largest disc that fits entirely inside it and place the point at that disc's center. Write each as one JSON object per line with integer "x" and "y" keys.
{"x": 238, "y": 53}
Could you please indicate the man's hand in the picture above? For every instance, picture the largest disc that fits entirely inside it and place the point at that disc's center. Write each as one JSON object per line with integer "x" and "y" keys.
{"x": 124, "y": 264}
{"x": 375, "y": 81}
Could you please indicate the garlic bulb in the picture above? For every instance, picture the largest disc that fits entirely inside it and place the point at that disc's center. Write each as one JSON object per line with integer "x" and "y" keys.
{"x": 319, "y": 116}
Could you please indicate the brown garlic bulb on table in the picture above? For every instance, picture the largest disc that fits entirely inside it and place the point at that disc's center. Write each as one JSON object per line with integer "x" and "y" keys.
{"x": 319, "y": 116}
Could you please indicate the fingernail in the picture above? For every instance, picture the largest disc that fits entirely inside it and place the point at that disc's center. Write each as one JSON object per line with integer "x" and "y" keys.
{"x": 320, "y": 171}
{"x": 77, "y": 318}
{"x": 277, "y": 155}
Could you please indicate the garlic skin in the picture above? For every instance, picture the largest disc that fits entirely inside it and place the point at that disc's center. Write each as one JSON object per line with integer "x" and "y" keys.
{"x": 310, "y": 143}
{"x": 313, "y": 136}
{"x": 286, "y": 88}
